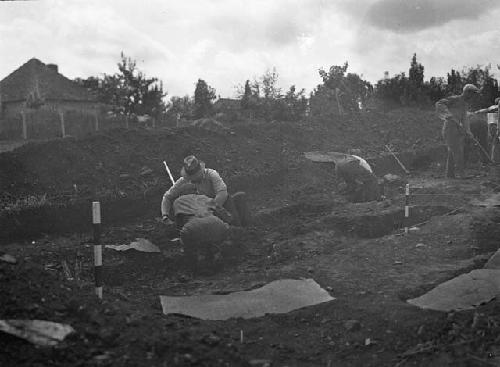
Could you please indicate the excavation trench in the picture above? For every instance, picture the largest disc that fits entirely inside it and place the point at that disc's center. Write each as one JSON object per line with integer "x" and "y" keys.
{"x": 74, "y": 214}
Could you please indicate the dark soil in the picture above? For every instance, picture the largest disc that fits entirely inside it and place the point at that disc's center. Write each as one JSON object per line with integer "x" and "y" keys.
{"x": 303, "y": 228}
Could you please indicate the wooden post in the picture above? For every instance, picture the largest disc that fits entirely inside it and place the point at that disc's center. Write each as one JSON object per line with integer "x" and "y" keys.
{"x": 25, "y": 127}
{"x": 177, "y": 120}
{"x": 96, "y": 122}
{"x": 63, "y": 127}
{"x": 407, "y": 206}
{"x": 96, "y": 223}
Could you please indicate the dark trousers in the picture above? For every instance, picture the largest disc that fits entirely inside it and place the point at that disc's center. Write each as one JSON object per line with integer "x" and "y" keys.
{"x": 236, "y": 205}
{"x": 455, "y": 141}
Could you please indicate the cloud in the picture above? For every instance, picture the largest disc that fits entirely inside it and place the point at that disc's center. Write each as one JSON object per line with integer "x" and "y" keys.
{"x": 415, "y": 15}
{"x": 226, "y": 42}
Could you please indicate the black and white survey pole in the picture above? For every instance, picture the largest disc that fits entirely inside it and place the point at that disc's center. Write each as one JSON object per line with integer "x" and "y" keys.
{"x": 96, "y": 223}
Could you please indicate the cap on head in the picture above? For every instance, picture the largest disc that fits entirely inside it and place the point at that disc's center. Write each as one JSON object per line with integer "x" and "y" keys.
{"x": 191, "y": 166}
{"x": 469, "y": 89}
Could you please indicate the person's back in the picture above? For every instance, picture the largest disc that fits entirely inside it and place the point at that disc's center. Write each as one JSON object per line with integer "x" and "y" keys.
{"x": 362, "y": 184}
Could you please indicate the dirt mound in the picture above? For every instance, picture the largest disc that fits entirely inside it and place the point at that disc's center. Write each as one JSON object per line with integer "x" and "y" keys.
{"x": 106, "y": 333}
{"x": 123, "y": 163}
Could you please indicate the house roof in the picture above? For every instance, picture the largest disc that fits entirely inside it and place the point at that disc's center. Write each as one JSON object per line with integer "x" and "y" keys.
{"x": 51, "y": 85}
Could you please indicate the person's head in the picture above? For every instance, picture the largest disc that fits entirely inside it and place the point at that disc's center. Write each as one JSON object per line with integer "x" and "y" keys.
{"x": 470, "y": 93}
{"x": 192, "y": 169}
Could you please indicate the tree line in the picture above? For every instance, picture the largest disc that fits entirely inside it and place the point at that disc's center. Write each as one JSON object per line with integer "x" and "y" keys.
{"x": 130, "y": 92}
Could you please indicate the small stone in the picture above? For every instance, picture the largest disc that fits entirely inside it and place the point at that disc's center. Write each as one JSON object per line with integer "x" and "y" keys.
{"x": 398, "y": 262}
{"x": 419, "y": 245}
{"x": 310, "y": 270}
{"x": 352, "y": 325}
{"x": 211, "y": 339}
{"x": 8, "y": 259}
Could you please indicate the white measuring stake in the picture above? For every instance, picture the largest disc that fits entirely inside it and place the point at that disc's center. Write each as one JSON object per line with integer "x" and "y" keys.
{"x": 169, "y": 173}
{"x": 407, "y": 206}
{"x": 96, "y": 223}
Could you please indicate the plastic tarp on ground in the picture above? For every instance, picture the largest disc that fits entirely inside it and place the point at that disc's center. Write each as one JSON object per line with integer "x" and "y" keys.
{"x": 140, "y": 244}
{"x": 280, "y": 296}
{"x": 463, "y": 292}
{"x": 39, "y": 332}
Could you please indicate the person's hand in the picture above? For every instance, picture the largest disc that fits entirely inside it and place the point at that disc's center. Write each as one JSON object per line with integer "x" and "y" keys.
{"x": 166, "y": 220}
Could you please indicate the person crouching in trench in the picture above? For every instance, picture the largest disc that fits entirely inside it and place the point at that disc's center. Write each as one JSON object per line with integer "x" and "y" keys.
{"x": 197, "y": 179}
{"x": 361, "y": 183}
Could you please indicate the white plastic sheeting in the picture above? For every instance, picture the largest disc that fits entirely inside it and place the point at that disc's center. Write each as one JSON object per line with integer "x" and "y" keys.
{"x": 39, "y": 332}
{"x": 464, "y": 292}
{"x": 280, "y": 296}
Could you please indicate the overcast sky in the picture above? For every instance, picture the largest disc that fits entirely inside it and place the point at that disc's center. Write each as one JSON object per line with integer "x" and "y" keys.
{"x": 226, "y": 42}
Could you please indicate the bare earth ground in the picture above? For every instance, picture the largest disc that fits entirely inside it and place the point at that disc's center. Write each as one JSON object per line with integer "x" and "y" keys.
{"x": 302, "y": 229}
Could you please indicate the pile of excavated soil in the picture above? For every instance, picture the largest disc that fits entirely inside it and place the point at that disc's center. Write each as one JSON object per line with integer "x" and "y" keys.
{"x": 123, "y": 163}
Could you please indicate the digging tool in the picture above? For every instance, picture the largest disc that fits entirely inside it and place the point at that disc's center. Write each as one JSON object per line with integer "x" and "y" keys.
{"x": 169, "y": 173}
{"x": 478, "y": 144}
{"x": 397, "y": 159}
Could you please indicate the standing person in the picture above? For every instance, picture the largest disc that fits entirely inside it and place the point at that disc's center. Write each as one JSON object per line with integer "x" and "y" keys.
{"x": 197, "y": 179}
{"x": 453, "y": 112}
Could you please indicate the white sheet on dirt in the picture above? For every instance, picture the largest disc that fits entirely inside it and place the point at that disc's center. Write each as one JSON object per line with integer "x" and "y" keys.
{"x": 463, "y": 292}
{"x": 280, "y": 296}
{"x": 140, "y": 244}
{"x": 39, "y": 332}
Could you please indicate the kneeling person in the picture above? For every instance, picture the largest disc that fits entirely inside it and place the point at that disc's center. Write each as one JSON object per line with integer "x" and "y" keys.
{"x": 197, "y": 179}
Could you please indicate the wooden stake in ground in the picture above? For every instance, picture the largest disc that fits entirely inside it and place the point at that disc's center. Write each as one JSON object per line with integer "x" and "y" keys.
{"x": 397, "y": 160}
{"x": 96, "y": 223}
{"x": 407, "y": 206}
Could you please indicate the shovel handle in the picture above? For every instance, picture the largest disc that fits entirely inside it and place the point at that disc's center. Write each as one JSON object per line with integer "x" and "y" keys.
{"x": 169, "y": 173}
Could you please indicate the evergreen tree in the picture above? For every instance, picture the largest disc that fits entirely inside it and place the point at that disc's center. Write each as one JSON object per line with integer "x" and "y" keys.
{"x": 203, "y": 97}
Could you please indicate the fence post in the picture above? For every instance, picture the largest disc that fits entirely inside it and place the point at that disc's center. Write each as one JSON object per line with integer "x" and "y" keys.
{"x": 96, "y": 223}
{"x": 96, "y": 122}
{"x": 63, "y": 128}
{"x": 25, "y": 128}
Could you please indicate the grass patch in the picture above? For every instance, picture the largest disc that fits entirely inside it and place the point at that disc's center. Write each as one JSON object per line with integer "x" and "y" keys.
{"x": 29, "y": 202}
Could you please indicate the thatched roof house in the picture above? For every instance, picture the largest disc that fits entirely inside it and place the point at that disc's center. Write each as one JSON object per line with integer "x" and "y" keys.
{"x": 35, "y": 84}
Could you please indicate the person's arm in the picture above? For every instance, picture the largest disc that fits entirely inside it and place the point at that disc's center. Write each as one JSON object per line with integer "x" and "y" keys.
{"x": 220, "y": 188}
{"x": 169, "y": 197}
{"x": 442, "y": 109}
